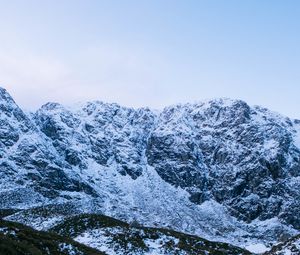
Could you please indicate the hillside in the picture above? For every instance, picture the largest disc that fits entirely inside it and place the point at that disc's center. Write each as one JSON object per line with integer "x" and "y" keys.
{"x": 17, "y": 239}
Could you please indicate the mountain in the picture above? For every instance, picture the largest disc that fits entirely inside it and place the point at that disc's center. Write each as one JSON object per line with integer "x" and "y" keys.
{"x": 218, "y": 169}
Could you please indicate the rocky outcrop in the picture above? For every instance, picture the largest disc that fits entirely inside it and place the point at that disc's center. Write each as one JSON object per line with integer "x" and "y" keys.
{"x": 32, "y": 171}
{"x": 245, "y": 158}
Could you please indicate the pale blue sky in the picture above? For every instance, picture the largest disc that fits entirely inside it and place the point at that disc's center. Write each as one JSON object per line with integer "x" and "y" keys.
{"x": 151, "y": 53}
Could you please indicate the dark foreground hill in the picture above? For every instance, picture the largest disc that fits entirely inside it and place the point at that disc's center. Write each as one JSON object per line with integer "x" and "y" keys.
{"x": 107, "y": 236}
{"x": 17, "y": 239}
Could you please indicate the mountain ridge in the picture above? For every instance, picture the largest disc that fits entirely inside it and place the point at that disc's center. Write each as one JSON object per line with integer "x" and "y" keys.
{"x": 186, "y": 167}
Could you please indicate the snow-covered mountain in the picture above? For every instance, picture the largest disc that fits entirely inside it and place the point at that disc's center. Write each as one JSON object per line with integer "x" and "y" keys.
{"x": 219, "y": 169}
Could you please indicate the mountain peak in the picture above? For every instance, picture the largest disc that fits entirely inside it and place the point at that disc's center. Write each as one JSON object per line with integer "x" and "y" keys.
{"x": 5, "y": 97}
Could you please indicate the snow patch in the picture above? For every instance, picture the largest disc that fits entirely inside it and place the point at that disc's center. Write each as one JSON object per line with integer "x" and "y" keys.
{"x": 258, "y": 248}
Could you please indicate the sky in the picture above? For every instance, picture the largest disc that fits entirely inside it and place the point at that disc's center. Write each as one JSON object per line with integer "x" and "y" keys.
{"x": 151, "y": 53}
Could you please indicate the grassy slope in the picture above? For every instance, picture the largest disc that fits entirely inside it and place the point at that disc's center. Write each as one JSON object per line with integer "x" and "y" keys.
{"x": 136, "y": 236}
{"x": 17, "y": 239}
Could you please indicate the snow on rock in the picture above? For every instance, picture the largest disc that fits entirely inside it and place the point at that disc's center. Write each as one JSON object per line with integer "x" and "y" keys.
{"x": 290, "y": 247}
{"x": 69, "y": 249}
{"x": 220, "y": 169}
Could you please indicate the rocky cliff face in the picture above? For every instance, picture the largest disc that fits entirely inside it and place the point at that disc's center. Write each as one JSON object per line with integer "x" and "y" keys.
{"x": 32, "y": 171}
{"x": 245, "y": 158}
{"x": 219, "y": 168}
{"x": 100, "y": 132}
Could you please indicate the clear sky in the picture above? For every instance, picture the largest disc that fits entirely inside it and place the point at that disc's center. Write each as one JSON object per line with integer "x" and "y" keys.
{"x": 151, "y": 52}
